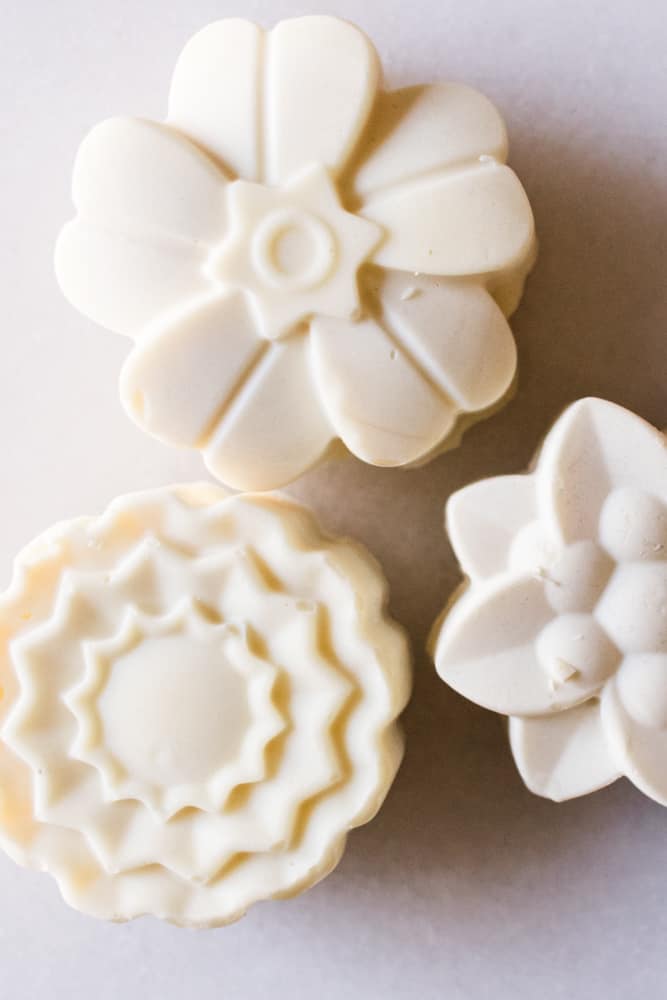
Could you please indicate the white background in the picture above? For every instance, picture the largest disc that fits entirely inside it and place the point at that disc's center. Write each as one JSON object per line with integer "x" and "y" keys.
{"x": 465, "y": 886}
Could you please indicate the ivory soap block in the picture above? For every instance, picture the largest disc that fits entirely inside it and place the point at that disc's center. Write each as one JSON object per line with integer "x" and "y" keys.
{"x": 198, "y": 697}
{"x": 562, "y": 622}
{"x": 300, "y": 257}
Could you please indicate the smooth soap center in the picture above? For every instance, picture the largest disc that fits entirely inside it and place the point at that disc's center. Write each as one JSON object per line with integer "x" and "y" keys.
{"x": 173, "y": 710}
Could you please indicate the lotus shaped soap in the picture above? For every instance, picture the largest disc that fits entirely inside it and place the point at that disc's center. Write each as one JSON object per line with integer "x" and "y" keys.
{"x": 562, "y": 623}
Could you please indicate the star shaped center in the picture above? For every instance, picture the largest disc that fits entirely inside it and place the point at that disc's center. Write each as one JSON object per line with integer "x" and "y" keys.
{"x": 293, "y": 250}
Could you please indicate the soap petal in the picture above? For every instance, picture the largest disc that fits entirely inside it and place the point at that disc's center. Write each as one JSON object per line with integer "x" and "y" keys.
{"x": 123, "y": 281}
{"x": 321, "y": 79}
{"x": 456, "y": 332}
{"x": 639, "y": 748}
{"x": 472, "y": 221}
{"x": 565, "y": 755}
{"x": 385, "y": 410}
{"x": 137, "y": 176}
{"x": 484, "y": 519}
{"x": 595, "y": 447}
{"x": 487, "y": 650}
{"x": 275, "y": 428}
{"x": 179, "y": 377}
{"x": 417, "y": 130}
{"x": 216, "y": 93}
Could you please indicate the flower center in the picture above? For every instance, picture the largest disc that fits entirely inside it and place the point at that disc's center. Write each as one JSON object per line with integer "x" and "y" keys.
{"x": 573, "y": 648}
{"x": 173, "y": 711}
{"x": 633, "y": 607}
{"x": 293, "y": 250}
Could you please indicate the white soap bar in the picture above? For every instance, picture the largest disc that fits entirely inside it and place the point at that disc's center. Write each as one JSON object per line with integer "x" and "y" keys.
{"x": 198, "y": 696}
{"x": 562, "y": 624}
{"x": 300, "y": 257}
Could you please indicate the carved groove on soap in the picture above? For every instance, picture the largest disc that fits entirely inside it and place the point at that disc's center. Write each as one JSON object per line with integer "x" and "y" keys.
{"x": 126, "y": 638}
{"x": 267, "y": 219}
{"x": 563, "y": 622}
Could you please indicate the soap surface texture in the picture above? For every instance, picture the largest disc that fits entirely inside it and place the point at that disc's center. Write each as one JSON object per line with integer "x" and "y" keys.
{"x": 300, "y": 257}
{"x": 562, "y": 624}
{"x": 198, "y": 701}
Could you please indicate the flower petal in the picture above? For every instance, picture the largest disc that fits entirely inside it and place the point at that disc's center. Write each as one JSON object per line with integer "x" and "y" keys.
{"x": 633, "y": 607}
{"x": 456, "y": 332}
{"x": 274, "y": 429}
{"x": 321, "y": 78}
{"x": 385, "y": 410}
{"x": 138, "y": 176}
{"x": 575, "y": 651}
{"x": 123, "y": 282}
{"x": 641, "y": 685}
{"x": 633, "y": 526}
{"x": 565, "y": 755}
{"x": 487, "y": 650}
{"x": 471, "y": 221}
{"x": 216, "y": 93}
{"x": 484, "y": 519}
{"x": 178, "y": 378}
{"x": 417, "y": 130}
{"x": 634, "y": 715}
{"x": 595, "y": 447}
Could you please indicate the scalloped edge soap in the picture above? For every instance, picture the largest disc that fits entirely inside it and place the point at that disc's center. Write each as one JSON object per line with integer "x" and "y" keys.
{"x": 199, "y": 696}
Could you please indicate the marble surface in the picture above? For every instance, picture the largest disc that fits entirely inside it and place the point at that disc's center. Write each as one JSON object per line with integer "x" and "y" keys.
{"x": 465, "y": 886}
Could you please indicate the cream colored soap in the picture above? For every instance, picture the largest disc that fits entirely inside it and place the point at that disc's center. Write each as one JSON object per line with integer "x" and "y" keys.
{"x": 300, "y": 257}
{"x": 198, "y": 696}
{"x": 562, "y": 623}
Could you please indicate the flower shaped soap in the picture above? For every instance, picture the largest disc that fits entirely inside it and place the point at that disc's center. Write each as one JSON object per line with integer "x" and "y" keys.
{"x": 198, "y": 697}
{"x": 299, "y": 257}
{"x": 563, "y": 622}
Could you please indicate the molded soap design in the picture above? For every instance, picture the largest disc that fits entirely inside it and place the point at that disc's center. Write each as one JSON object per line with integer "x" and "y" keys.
{"x": 198, "y": 701}
{"x": 301, "y": 257}
{"x": 563, "y": 622}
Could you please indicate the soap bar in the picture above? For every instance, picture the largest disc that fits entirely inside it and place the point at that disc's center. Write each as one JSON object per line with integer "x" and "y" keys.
{"x": 301, "y": 258}
{"x": 198, "y": 695}
{"x": 562, "y": 622}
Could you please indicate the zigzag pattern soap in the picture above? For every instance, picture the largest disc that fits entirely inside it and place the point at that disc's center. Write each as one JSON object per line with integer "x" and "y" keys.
{"x": 198, "y": 696}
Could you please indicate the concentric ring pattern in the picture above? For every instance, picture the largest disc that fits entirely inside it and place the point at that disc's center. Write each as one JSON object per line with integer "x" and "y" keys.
{"x": 199, "y": 694}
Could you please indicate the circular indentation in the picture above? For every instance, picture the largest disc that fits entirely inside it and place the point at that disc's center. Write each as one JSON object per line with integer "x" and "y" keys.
{"x": 633, "y": 526}
{"x": 633, "y": 607}
{"x": 293, "y": 250}
{"x": 173, "y": 710}
{"x": 573, "y": 648}
{"x": 642, "y": 688}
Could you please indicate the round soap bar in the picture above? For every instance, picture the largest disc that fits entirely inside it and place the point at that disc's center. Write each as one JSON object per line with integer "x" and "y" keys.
{"x": 198, "y": 701}
{"x": 562, "y": 623}
{"x": 300, "y": 257}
